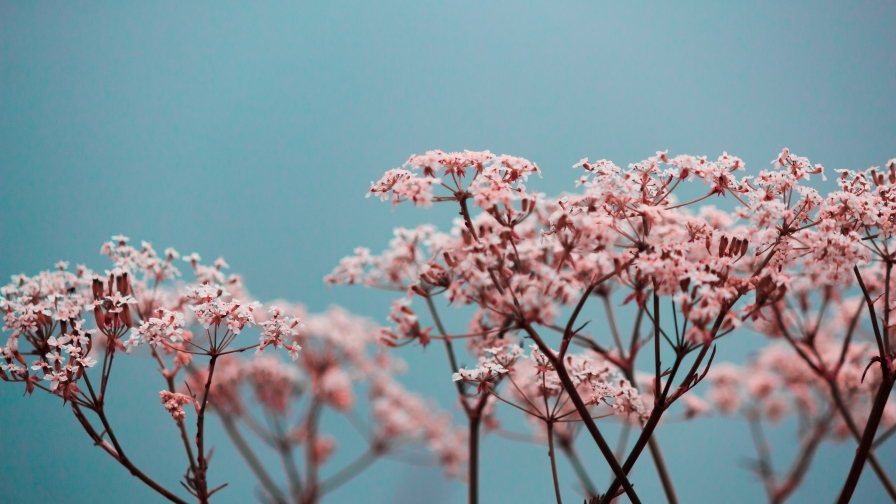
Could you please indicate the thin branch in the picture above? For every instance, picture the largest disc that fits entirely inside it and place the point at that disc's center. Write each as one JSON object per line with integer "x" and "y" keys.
{"x": 348, "y": 472}
{"x": 284, "y": 449}
{"x": 449, "y": 348}
{"x": 311, "y": 467}
{"x": 864, "y": 449}
{"x": 524, "y": 410}
{"x": 879, "y": 471}
{"x": 656, "y": 414}
{"x": 870, "y": 303}
{"x": 622, "y": 443}
{"x": 551, "y": 454}
{"x": 766, "y": 472}
{"x": 656, "y": 347}
{"x": 473, "y": 464}
{"x": 570, "y": 452}
{"x": 201, "y": 461}
{"x": 251, "y": 460}
{"x": 181, "y": 425}
{"x": 123, "y": 459}
{"x": 883, "y": 437}
{"x": 611, "y": 320}
{"x": 800, "y": 465}
{"x": 653, "y": 444}
{"x": 660, "y": 463}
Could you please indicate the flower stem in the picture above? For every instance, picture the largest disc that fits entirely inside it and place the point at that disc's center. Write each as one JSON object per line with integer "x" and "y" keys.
{"x": 122, "y": 458}
{"x": 660, "y": 463}
{"x": 800, "y": 465}
{"x": 284, "y": 449}
{"x": 181, "y": 425}
{"x": 202, "y": 462}
{"x": 251, "y": 460}
{"x": 553, "y": 461}
{"x": 348, "y": 472}
{"x": 569, "y": 450}
{"x": 449, "y": 348}
{"x": 877, "y": 410}
{"x": 473, "y": 495}
{"x": 311, "y": 463}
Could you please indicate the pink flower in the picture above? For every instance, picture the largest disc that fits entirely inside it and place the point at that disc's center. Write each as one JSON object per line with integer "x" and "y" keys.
{"x": 323, "y": 449}
{"x": 167, "y": 328}
{"x": 279, "y": 329}
{"x": 174, "y": 403}
{"x": 404, "y": 186}
{"x": 56, "y": 379}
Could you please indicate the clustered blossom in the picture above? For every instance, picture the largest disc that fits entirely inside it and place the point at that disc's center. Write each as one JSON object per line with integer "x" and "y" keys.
{"x": 273, "y": 383}
{"x": 695, "y": 258}
{"x": 137, "y": 296}
{"x": 174, "y": 404}
{"x": 494, "y": 362}
{"x": 500, "y": 183}
{"x": 45, "y": 311}
{"x": 278, "y": 330}
{"x": 453, "y": 163}
{"x": 407, "y": 326}
{"x": 520, "y": 260}
{"x": 498, "y": 179}
{"x": 213, "y": 306}
{"x": 404, "y": 186}
{"x": 113, "y": 304}
{"x": 535, "y": 377}
{"x": 334, "y": 364}
{"x": 486, "y": 371}
{"x": 401, "y": 415}
{"x": 395, "y": 268}
{"x": 167, "y": 328}
{"x": 144, "y": 260}
{"x": 785, "y": 263}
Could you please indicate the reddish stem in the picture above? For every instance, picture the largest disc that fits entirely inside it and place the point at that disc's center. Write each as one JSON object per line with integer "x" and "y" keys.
{"x": 877, "y": 410}
{"x": 201, "y": 473}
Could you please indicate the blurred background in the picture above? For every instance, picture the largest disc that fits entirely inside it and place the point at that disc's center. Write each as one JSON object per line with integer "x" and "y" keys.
{"x": 252, "y": 131}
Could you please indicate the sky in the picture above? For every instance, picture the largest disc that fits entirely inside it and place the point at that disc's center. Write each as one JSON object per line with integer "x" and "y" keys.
{"x": 252, "y": 131}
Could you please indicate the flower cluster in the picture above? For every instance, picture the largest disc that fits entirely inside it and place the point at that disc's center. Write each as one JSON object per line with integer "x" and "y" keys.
{"x": 44, "y": 312}
{"x": 167, "y": 328}
{"x": 811, "y": 274}
{"x": 401, "y": 416}
{"x": 330, "y": 372}
{"x": 214, "y": 307}
{"x": 191, "y": 328}
{"x": 278, "y": 330}
{"x": 174, "y": 404}
{"x": 690, "y": 276}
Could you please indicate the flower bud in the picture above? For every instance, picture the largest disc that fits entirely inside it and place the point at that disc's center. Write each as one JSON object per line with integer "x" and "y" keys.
{"x": 97, "y": 288}
{"x": 99, "y": 317}
{"x": 126, "y": 316}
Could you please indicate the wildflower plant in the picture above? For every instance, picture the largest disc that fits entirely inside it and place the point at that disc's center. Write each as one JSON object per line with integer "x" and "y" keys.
{"x": 192, "y": 331}
{"x": 528, "y": 265}
{"x": 810, "y": 274}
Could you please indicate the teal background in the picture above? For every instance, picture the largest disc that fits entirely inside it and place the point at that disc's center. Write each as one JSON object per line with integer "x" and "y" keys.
{"x": 252, "y": 131}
